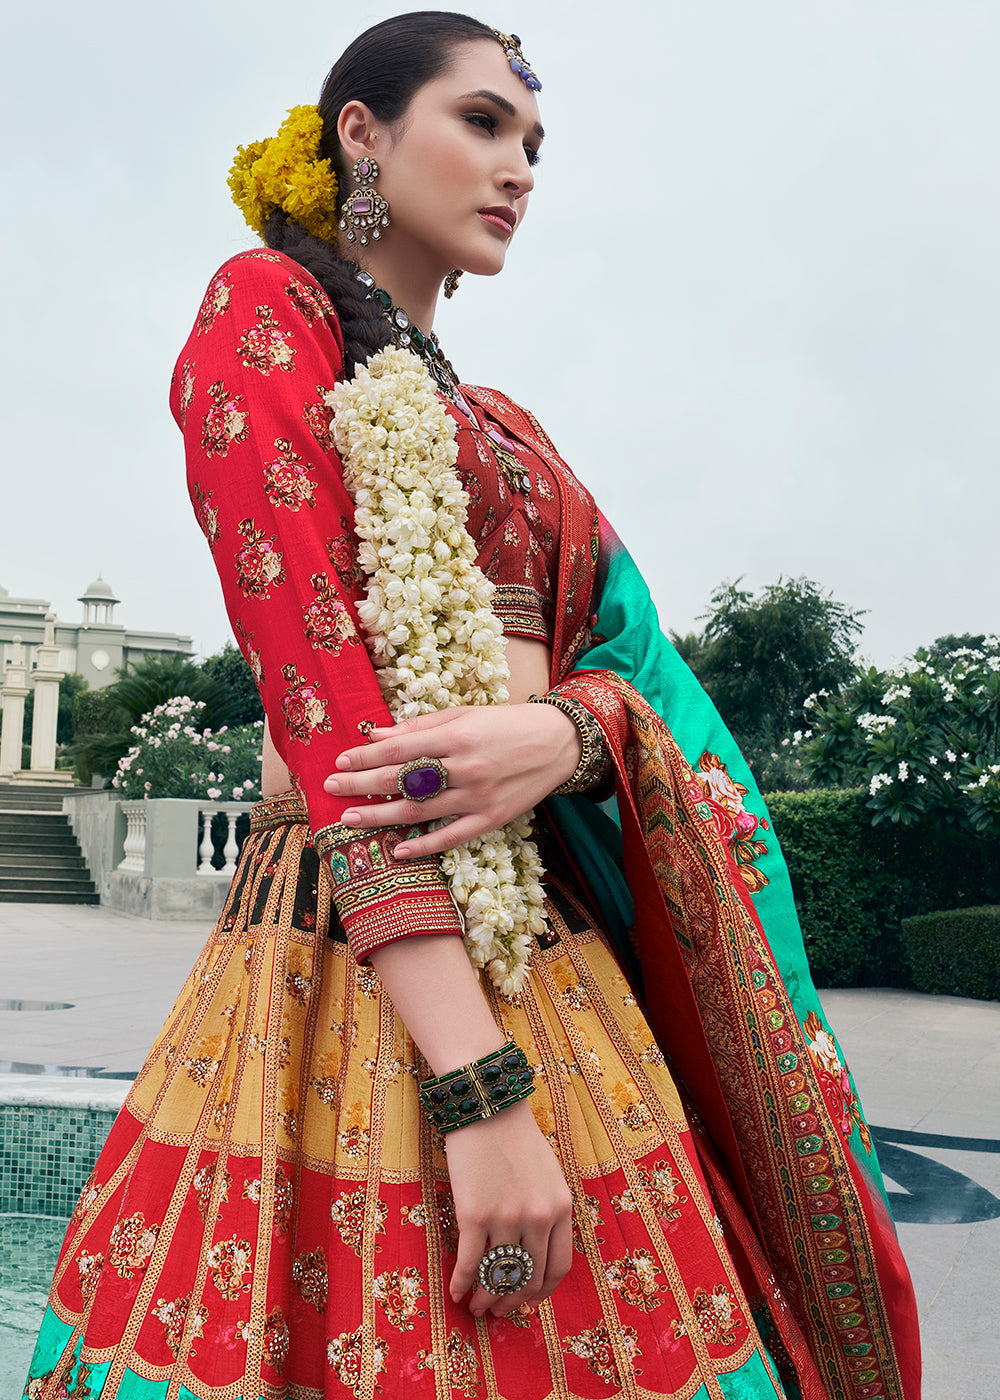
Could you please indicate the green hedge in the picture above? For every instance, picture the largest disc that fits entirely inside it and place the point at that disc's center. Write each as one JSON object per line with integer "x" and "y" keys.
{"x": 956, "y": 951}
{"x": 855, "y": 883}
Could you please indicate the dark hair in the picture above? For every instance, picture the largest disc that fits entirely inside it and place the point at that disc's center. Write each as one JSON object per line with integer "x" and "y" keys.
{"x": 383, "y": 68}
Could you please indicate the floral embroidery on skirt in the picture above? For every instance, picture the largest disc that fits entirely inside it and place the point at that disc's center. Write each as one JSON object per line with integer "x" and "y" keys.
{"x": 271, "y": 1214}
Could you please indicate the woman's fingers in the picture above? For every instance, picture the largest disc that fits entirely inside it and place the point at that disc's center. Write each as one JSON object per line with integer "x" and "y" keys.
{"x": 446, "y": 838}
{"x": 559, "y": 1257}
{"x": 410, "y": 738}
{"x": 552, "y": 1255}
{"x": 372, "y": 782}
{"x": 419, "y": 723}
{"x": 500, "y": 761}
{"x": 472, "y": 1245}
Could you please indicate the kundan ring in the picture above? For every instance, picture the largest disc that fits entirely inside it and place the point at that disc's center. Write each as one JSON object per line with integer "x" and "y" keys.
{"x": 422, "y": 778}
{"x": 505, "y": 1269}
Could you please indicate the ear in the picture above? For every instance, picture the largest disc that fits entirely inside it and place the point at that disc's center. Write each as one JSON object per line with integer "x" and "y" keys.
{"x": 357, "y": 130}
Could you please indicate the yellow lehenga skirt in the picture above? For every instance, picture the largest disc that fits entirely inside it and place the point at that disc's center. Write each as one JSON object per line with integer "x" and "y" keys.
{"x": 271, "y": 1213}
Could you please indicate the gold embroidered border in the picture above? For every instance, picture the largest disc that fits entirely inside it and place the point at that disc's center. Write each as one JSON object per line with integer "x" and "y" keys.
{"x": 379, "y": 898}
{"x": 277, "y": 811}
{"x": 523, "y": 611}
{"x": 730, "y": 967}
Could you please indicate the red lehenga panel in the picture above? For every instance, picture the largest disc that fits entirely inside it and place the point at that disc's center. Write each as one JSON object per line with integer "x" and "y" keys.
{"x": 271, "y": 1214}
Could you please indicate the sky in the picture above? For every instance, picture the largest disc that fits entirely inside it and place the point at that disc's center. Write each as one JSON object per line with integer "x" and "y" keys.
{"x": 754, "y": 302}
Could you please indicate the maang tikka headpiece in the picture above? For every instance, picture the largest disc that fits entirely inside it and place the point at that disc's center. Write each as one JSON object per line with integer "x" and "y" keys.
{"x": 511, "y": 45}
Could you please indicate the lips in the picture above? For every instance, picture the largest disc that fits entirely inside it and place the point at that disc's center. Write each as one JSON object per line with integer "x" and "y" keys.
{"x": 500, "y": 216}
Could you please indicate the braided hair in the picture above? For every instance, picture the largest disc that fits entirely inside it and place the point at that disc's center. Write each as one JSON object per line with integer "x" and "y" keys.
{"x": 383, "y": 68}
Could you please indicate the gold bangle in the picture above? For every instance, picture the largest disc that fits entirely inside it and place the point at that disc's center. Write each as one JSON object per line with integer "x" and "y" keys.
{"x": 594, "y": 757}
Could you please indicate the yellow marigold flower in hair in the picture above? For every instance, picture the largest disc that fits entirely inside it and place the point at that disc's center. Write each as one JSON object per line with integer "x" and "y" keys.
{"x": 287, "y": 172}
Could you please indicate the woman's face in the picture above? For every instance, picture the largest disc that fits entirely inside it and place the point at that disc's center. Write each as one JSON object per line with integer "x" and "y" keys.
{"x": 457, "y": 170}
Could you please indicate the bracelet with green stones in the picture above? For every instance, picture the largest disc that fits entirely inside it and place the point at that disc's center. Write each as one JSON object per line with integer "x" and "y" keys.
{"x": 477, "y": 1090}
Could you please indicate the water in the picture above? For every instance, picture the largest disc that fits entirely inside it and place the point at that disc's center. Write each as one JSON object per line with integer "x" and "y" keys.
{"x": 29, "y": 1247}
{"x": 64, "y": 1071}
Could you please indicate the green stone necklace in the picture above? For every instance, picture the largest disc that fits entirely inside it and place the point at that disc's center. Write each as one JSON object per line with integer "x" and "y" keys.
{"x": 411, "y": 337}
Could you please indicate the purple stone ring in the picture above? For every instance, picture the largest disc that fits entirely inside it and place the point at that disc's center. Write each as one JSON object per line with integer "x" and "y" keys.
{"x": 422, "y": 778}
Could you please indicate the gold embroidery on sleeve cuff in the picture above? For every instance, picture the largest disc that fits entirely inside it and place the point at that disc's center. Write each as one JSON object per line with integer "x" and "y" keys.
{"x": 378, "y": 898}
{"x": 523, "y": 611}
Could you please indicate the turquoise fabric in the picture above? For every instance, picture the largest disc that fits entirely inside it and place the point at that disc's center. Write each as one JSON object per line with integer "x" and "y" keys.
{"x": 750, "y": 1382}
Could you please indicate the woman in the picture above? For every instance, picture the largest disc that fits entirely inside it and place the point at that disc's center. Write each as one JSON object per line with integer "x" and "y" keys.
{"x": 616, "y": 1212}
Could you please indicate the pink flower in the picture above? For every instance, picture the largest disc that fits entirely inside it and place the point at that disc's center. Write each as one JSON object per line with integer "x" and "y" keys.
{"x": 237, "y": 794}
{"x": 213, "y": 793}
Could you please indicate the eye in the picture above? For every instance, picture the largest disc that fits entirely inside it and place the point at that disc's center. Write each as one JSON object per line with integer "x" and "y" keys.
{"x": 483, "y": 120}
{"x": 488, "y": 123}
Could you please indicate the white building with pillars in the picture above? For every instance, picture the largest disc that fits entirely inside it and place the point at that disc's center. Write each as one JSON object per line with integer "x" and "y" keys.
{"x": 95, "y": 647}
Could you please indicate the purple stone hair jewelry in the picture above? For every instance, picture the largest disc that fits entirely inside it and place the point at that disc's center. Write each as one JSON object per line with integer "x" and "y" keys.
{"x": 365, "y": 213}
{"x": 511, "y": 45}
{"x": 422, "y": 778}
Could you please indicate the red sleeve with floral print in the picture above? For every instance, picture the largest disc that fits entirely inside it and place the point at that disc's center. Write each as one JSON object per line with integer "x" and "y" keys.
{"x": 267, "y": 488}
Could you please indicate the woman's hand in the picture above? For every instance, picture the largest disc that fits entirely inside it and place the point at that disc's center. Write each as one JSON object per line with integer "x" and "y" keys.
{"x": 500, "y": 760}
{"x": 508, "y": 1189}
{"x": 506, "y": 1181}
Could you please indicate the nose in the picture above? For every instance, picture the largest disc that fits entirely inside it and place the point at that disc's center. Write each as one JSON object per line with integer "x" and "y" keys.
{"x": 519, "y": 178}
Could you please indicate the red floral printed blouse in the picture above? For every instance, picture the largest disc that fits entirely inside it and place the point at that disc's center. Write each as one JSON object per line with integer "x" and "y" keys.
{"x": 266, "y": 484}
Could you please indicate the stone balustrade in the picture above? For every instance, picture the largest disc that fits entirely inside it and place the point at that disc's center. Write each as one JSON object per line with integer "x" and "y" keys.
{"x": 135, "y": 837}
{"x": 231, "y": 848}
{"x": 164, "y": 858}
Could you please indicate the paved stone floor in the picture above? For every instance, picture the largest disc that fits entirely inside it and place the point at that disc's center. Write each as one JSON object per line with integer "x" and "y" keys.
{"x": 927, "y": 1068}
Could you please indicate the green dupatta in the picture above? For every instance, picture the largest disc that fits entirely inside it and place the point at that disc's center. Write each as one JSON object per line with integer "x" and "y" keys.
{"x": 694, "y": 891}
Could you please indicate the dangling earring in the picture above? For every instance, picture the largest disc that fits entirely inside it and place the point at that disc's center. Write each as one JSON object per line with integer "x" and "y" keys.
{"x": 365, "y": 213}
{"x": 451, "y": 283}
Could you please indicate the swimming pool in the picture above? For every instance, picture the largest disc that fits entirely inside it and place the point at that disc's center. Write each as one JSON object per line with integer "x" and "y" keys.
{"x": 51, "y": 1130}
{"x": 29, "y": 1247}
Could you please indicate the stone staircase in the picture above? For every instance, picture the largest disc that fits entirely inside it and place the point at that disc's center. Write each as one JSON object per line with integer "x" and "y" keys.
{"x": 40, "y": 860}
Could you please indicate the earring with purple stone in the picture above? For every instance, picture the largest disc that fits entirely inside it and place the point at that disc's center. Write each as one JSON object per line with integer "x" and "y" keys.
{"x": 365, "y": 213}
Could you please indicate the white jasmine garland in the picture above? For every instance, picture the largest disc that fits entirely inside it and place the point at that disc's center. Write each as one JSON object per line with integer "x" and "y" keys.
{"x": 431, "y": 629}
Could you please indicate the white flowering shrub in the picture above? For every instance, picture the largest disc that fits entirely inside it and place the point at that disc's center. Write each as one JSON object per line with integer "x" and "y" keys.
{"x": 172, "y": 756}
{"x": 922, "y": 736}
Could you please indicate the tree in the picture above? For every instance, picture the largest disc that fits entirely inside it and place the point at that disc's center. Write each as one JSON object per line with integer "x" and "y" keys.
{"x": 141, "y": 686}
{"x": 97, "y": 742}
{"x": 229, "y": 668}
{"x": 764, "y": 656}
{"x": 944, "y": 647}
{"x": 924, "y": 737}
{"x": 152, "y": 680}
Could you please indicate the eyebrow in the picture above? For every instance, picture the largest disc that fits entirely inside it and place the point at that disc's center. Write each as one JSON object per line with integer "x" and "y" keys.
{"x": 504, "y": 106}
